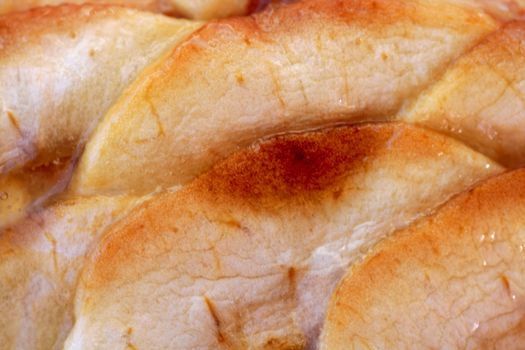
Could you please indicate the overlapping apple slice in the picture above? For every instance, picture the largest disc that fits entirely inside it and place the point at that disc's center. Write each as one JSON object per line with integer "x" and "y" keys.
{"x": 454, "y": 280}
{"x": 40, "y": 260}
{"x": 309, "y": 63}
{"x": 60, "y": 70}
{"x": 8, "y": 6}
{"x": 195, "y": 9}
{"x": 481, "y": 97}
{"x": 247, "y": 255}
{"x": 62, "y": 67}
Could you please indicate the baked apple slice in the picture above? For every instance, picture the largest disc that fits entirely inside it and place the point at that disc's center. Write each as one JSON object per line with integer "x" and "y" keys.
{"x": 481, "y": 98}
{"x": 247, "y": 255}
{"x": 298, "y": 66}
{"x": 454, "y": 280}
{"x": 195, "y": 9}
{"x": 40, "y": 260}
{"x": 61, "y": 68}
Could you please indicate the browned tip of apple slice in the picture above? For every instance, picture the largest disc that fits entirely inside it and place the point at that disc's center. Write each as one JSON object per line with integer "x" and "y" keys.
{"x": 454, "y": 280}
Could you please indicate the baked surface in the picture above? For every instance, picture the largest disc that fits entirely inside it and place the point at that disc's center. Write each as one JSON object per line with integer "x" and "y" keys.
{"x": 247, "y": 255}
{"x": 194, "y": 9}
{"x": 453, "y": 280}
{"x": 168, "y": 183}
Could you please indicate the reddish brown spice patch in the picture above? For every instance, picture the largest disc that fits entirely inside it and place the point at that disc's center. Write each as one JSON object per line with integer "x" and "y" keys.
{"x": 293, "y": 165}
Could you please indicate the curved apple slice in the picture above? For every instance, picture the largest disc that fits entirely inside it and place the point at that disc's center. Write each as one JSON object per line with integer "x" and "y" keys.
{"x": 7, "y": 6}
{"x": 209, "y": 9}
{"x": 62, "y": 67}
{"x": 481, "y": 98}
{"x": 305, "y": 64}
{"x": 247, "y": 255}
{"x": 196, "y": 9}
{"x": 502, "y": 10}
{"x": 40, "y": 261}
{"x": 455, "y": 280}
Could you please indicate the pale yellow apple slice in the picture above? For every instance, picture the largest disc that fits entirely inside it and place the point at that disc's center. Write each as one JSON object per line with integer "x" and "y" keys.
{"x": 62, "y": 67}
{"x": 209, "y": 9}
{"x": 206, "y": 9}
{"x": 7, "y": 6}
{"x": 310, "y": 63}
{"x": 247, "y": 255}
{"x": 455, "y": 280}
{"x": 481, "y": 98}
{"x": 195, "y": 9}
{"x": 40, "y": 261}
